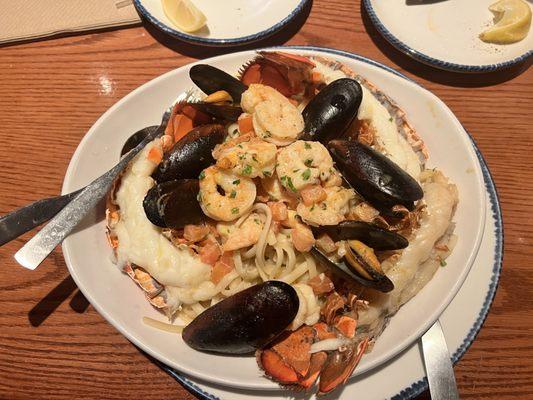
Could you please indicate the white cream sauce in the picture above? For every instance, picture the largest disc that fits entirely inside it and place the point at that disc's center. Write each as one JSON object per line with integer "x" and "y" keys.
{"x": 142, "y": 243}
{"x": 440, "y": 198}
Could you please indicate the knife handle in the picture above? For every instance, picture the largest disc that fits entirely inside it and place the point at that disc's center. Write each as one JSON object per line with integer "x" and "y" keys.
{"x": 24, "y": 219}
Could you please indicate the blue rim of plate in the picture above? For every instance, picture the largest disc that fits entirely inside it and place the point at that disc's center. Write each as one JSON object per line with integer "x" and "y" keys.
{"x": 417, "y": 387}
{"x": 219, "y": 42}
{"x": 404, "y": 48}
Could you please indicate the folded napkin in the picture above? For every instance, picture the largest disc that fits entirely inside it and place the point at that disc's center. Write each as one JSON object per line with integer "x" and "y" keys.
{"x": 31, "y": 19}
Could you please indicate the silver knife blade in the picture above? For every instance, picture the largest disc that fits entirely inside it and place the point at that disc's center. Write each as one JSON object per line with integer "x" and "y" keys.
{"x": 439, "y": 369}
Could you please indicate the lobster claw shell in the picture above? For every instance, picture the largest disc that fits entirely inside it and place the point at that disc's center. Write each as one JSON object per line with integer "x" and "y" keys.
{"x": 191, "y": 154}
{"x": 246, "y": 321}
{"x": 375, "y": 177}
{"x": 174, "y": 204}
{"x": 329, "y": 114}
{"x": 211, "y": 79}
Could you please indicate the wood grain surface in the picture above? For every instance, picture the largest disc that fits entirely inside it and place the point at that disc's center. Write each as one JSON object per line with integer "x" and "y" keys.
{"x": 53, "y": 345}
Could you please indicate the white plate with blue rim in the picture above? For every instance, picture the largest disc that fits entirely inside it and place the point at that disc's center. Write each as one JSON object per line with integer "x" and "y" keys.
{"x": 88, "y": 256}
{"x": 445, "y": 33}
{"x": 461, "y": 321}
{"x": 229, "y": 22}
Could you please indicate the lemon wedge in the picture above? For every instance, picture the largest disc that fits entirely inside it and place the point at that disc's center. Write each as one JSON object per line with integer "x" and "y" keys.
{"x": 512, "y": 21}
{"x": 184, "y": 14}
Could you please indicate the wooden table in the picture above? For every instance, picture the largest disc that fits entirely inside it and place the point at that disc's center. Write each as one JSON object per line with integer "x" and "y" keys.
{"x": 54, "y": 346}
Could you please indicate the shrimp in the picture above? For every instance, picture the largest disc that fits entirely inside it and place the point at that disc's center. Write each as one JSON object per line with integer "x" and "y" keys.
{"x": 245, "y": 235}
{"x": 304, "y": 164}
{"x": 225, "y": 196}
{"x": 276, "y": 191}
{"x": 275, "y": 118}
{"x": 331, "y": 211}
{"x": 253, "y": 158}
{"x": 258, "y": 93}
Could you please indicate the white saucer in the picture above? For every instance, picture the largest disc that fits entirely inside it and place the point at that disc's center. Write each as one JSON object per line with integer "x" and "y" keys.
{"x": 444, "y": 34}
{"x": 229, "y": 22}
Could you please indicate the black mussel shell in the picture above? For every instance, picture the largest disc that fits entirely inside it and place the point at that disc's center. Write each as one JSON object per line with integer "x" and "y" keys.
{"x": 219, "y": 112}
{"x": 371, "y": 235}
{"x": 378, "y": 179}
{"x": 174, "y": 204}
{"x": 246, "y": 321}
{"x": 379, "y": 281}
{"x": 136, "y": 138}
{"x": 191, "y": 154}
{"x": 211, "y": 79}
{"x": 332, "y": 110}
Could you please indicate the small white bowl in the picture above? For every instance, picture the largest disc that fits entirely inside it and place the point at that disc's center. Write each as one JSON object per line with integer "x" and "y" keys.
{"x": 229, "y": 22}
{"x": 118, "y": 299}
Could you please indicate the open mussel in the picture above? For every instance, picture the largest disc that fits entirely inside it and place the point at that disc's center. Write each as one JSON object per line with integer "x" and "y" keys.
{"x": 211, "y": 79}
{"x": 370, "y": 234}
{"x": 332, "y": 110}
{"x": 218, "y": 112}
{"x": 191, "y": 154}
{"x": 377, "y": 178}
{"x": 174, "y": 204}
{"x": 246, "y": 321}
{"x": 359, "y": 264}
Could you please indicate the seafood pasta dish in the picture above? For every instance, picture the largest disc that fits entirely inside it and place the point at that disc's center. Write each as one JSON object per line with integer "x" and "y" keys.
{"x": 285, "y": 213}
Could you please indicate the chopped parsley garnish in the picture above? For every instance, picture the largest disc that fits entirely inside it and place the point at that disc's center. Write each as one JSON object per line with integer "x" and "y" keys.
{"x": 295, "y": 170}
{"x": 236, "y": 181}
{"x": 307, "y": 145}
{"x": 233, "y": 194}
{"x": 312, "y": 207}
{"x": 443, "y": 263}
{"x": 268, "y": 134}
{"x": 290, "y": 185}
{"x": 306, "y": 174}
{"x": 235, "y": 210}
{"x": 202, "y": 175}
{"x": 247, "y": 170}
{"x": 390, "y": 119}
{"x": 257, "y": 221}
{"x": 324, "y": 206}
{"x": 239, "y": 146}
{"x": 235, "y": 131}
{"x": 254, "y": 158}
{"x": 308, "y": 162}
{"x": 267, "y": 173}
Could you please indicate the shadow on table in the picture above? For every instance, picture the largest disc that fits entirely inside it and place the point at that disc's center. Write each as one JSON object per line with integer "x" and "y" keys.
{"x": 435, "y": 74}
{"x": 48, "y": 304}
{"x": 200, "y": 51}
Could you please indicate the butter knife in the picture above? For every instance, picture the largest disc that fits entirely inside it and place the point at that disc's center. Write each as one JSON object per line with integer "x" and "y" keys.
{"x": 439, "y": 368}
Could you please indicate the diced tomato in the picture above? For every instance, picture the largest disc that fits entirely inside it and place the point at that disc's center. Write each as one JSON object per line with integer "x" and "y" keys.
{"x": 326, "y": 244}
{"x": 302, "y": 238}
{"x": 246, "y": 124}
{"x": 321, "y": 284}
{"x": 209, "y": 252}
{"x": 279, "y": 210}
{"x": 222, "y": 267}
